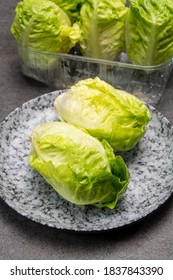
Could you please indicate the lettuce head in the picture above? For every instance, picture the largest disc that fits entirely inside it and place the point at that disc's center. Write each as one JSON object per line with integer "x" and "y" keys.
{"x": 43, "y": 26}
{"x": 79, "y": 167}
{"x": 105, "y": 112}
{"x": 148, "y": 31}
{"x": 102, "y": 28}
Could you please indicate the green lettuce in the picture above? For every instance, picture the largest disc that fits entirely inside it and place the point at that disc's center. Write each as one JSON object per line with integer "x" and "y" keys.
{"x": 105, "y": 112}
{"x": 79, "y": 167}
{"x": 148, "y": 31}
{"x": 102, "y": 28}
{"x": 71, "y": 7}
{"x": 43, "y": 26}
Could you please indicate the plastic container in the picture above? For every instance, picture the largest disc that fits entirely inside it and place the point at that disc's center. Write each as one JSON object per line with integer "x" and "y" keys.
{"x": 63, "y": 70}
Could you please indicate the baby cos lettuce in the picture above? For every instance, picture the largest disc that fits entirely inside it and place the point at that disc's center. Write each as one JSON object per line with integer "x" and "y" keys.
{"x": 43, "y": 26}
{"x": 105, "y": 112}
{"x": 79, "y": 167}
{"x": 102, "y": 28}
{"x": 148, "y": 31}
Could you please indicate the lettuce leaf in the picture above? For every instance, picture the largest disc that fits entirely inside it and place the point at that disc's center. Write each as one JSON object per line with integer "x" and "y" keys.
{"x": 43, "y": 26}
{"x": 105, "y": 112}
{"x": 102, "y": 28}
{"x": 70, "y": 7}
{"x": 148, "y": 31}
{"x": 79, "y": 167}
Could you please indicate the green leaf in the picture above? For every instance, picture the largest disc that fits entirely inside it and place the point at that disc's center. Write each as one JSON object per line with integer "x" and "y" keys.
{"x": 102, "y": 28}
{"x": 148, "y": 32}
{"x": 105, "y": 112}
{"x": 70, "y": 7}
{"x": 79, "y": 167}
{"x": 43, "y": 26}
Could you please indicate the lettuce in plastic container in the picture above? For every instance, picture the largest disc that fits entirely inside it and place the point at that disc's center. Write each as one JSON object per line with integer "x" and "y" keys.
{"x": 148, "y": 31}
{"x": 105, "y": 112}
{"x": 79, "y": 167}
{"x": 43, "y": 26}
{"x": 102, "y": 28}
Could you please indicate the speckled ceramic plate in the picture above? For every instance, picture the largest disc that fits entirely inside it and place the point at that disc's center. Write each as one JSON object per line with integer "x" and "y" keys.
{"x": 150, "y": 164}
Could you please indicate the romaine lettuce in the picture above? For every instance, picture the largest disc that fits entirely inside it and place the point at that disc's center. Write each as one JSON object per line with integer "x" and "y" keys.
{"x": 105, "y": 112}
{"x": 79, "y": 167}
{"x": 102, "y": 28}
{"x": 43, "y": 26}
{"x": 148, "y": 31}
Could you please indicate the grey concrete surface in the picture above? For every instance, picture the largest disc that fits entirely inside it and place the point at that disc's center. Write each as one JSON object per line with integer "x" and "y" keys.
{"x": 21, "y": 238}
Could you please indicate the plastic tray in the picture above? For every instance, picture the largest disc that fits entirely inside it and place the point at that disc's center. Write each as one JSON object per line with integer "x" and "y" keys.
{"x": 63, "y": 70}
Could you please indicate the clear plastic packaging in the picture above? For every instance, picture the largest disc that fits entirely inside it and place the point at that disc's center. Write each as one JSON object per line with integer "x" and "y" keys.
{"x": 63, "y": 70}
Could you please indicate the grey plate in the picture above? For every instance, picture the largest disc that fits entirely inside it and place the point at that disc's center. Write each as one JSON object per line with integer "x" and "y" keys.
{"x": 150, "y": 164}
